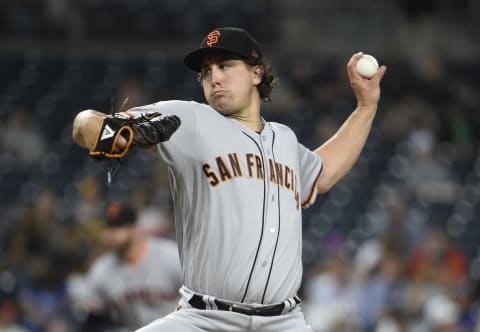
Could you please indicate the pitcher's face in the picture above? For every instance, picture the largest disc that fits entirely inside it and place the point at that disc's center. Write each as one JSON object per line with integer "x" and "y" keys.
{"x": 229, "y": 85}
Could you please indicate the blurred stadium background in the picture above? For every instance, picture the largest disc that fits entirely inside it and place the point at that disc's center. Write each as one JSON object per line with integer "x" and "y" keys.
{"x": 393, "y": 247}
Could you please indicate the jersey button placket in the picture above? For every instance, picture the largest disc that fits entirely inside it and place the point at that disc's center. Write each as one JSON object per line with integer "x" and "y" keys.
{"x": 271, "y": 216}
{"x": 268, "y": 209}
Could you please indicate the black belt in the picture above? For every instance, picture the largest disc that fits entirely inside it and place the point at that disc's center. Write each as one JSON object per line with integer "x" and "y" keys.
{"x": 269, "y": 310}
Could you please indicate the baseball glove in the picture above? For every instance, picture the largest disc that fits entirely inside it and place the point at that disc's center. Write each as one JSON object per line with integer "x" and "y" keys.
{"x": 144, "y": 131}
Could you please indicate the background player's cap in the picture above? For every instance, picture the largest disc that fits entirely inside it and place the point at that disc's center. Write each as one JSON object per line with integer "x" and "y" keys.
{"x": 120, "y": 214}
{"x": 230, "y": 40}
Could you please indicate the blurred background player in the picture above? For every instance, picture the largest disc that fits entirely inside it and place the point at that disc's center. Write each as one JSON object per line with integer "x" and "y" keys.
{"x": 134, "y": 281}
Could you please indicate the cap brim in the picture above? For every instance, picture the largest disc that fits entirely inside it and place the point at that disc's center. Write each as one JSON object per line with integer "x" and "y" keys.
{"x": 193, "y": 60}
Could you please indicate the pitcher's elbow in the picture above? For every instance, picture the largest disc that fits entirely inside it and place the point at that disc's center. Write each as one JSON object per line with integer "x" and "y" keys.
{"x": 80, "y": 124}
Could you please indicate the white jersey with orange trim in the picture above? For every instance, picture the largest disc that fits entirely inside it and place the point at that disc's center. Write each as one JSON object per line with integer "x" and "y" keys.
{"x": 238, "y": 196}
{"x": 139, "y": 292}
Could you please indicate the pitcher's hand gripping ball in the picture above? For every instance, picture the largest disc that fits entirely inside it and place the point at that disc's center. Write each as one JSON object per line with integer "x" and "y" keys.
{"x": 144, "y": 132}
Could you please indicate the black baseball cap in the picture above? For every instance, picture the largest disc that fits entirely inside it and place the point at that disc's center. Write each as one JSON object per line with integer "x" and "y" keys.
{"x": 120, "y": 214}
{"x": 229, "y": 40}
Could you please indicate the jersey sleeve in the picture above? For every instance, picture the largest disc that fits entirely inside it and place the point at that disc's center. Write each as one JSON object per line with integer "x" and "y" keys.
{"x": 311, "y": 167}
{"x": 182, "y": 142}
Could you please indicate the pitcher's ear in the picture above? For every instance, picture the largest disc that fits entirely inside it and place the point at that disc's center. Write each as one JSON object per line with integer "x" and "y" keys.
{"x": 258, "y": 72}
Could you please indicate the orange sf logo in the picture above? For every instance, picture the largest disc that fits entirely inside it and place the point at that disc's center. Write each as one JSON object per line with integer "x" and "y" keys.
{"x": 212, "y": 38}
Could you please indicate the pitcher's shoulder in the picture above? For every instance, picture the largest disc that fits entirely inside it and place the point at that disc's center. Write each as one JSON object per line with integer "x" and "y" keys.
{"x": 281, "y": 128}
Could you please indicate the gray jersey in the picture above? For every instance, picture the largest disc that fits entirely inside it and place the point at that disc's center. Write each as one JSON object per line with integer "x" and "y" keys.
{"x": 136, "y": 294}
{"x": 238, "y": 196}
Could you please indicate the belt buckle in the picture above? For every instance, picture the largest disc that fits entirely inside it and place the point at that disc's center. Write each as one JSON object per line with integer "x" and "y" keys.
{"x": 239, "y": 309}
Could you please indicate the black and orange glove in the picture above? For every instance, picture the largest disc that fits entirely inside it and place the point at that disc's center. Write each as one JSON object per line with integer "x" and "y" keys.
{"x": 144, "y": 131}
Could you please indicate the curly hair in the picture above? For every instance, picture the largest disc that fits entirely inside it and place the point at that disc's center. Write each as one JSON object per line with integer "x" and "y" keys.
{"x": 269, "y": 81}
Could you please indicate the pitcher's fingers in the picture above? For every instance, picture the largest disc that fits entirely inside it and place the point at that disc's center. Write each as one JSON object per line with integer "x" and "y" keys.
{"x": 352, "y": 66}
{"x": 379, "y": 74}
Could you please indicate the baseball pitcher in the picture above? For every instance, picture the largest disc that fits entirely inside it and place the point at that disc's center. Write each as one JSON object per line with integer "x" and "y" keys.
{"x": 239, "y": 183}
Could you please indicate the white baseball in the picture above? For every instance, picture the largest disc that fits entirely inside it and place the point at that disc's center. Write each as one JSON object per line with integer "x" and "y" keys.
{"x": 367, "y": 66}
